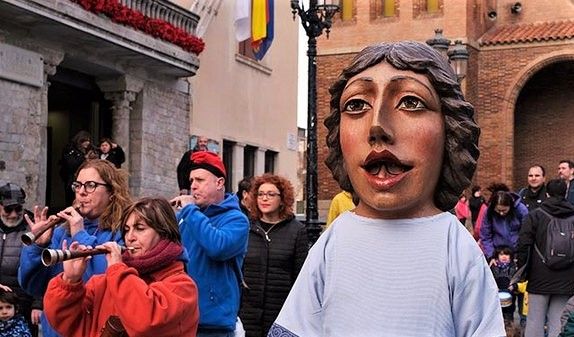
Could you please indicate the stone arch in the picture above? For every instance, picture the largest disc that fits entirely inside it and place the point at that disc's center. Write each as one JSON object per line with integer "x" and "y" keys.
{"x": 509, "y": 110}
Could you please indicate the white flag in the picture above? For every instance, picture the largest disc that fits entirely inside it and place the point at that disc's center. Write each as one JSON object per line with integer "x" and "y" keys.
{"x": 242, "y": 19}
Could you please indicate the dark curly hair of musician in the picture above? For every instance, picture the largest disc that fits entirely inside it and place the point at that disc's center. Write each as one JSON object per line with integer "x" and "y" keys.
{"x": 462, "y": 133}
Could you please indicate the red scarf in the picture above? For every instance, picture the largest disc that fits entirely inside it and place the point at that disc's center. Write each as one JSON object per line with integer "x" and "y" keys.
{"x": 162, "y": 255}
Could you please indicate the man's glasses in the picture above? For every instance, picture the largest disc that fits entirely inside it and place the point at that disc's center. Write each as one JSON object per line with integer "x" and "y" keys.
{"x": 269, "y": 195}
{"x": 13, "y": 208}
{"x": 89, "y": 186}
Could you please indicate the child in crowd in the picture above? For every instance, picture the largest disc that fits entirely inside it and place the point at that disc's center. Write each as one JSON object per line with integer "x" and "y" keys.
{"x": 503, "y": 270}
{"x": 11, "y": 324}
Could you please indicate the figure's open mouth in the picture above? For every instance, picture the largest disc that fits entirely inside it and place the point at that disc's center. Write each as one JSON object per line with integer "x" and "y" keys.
{"x": 385, "y": 160}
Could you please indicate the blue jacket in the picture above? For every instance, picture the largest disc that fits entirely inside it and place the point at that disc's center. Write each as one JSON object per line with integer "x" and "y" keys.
{"x": 502, "y": 230}
{"x": 33, "y": 276}
{"x": 216, "y": 240}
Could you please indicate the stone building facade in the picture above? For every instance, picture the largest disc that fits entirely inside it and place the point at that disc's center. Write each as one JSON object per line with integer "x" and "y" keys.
{"x": 520, "y": 74}
{"x": 65, "y": 69}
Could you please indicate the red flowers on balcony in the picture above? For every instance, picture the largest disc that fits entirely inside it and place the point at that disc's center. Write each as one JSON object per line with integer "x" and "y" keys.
{"x": 155, "y": 27}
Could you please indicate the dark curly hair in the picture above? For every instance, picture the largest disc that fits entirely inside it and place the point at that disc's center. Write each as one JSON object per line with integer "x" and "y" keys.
{"x": 285, "y": 188}
{"x": 462, "y": 133}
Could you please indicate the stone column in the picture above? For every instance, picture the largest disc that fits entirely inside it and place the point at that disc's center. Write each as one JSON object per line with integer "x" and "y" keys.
{"x": 122, "y": 92}
{"x": 121, "y": 119}
{"x": 237, "y": 165}
{"x": 259, "y": 161}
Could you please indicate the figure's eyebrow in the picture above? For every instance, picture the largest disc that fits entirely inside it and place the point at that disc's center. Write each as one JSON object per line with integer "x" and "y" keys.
{"x": 399, "y": 78}
{"x": 362, "y": 79}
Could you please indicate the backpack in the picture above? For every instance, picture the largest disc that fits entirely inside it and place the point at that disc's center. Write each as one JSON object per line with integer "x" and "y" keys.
{"x": 558, "y": 250}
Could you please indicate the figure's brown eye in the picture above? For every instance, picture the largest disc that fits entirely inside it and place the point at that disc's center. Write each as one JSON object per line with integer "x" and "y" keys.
{"x": 355, "y": 106}
{"x": 411, "y": 103}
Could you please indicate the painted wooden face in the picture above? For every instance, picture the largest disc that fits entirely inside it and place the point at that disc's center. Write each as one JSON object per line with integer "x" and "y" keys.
{"x": 392, "y": 136}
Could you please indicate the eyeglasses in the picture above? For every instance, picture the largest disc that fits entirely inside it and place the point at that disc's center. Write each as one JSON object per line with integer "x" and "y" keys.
{"x": 269, "y": 195}
{"x": 89, "y": 186}
{"x": 13, "y": 208}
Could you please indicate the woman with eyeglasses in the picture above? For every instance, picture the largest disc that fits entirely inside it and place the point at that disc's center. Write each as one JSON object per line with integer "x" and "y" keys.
{"x": 101, "y": 195}
{"x": 277, "y": 248}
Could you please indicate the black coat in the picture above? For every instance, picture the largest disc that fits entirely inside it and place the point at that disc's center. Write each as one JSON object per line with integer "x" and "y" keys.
{"x": 10, "y": 247}
{"x": 116, "y": 156}
{"x": 541, "y": 279}
{"x": 270, "y": 269}
{"x": 183, "y": 169}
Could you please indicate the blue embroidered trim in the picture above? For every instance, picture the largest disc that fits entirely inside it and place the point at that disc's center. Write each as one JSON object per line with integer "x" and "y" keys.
{"x": 279, "y": 331}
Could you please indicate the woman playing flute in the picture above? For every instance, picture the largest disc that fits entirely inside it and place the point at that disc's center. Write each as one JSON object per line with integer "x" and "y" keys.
{"x": 146, "y": 286}
{"x": 101, "y": 196}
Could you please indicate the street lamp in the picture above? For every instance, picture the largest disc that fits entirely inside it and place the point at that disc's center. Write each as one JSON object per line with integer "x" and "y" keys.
{"x": 458, "y": 55}
{"x": 314, "y": 20}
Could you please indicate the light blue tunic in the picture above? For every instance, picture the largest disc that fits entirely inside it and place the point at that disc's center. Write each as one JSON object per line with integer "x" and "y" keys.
{"x": 408, "y": 277}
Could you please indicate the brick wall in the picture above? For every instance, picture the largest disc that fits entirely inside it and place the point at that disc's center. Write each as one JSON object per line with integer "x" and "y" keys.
{"x": 22, "y": 139}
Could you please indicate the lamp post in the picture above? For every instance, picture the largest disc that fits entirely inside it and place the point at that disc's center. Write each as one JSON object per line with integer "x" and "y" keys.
{"x": 458, "y": 55}
{"x": 314, "y": 20}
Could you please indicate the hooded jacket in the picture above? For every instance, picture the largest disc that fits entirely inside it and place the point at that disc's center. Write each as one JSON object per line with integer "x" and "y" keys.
{"x": 216, "y": 240}
{"x": 500, "y": 230}
{"x": 541, "y": 279}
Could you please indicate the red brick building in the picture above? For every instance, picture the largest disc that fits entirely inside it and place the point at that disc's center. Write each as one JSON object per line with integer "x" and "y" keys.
{"x": 520, "y": 74}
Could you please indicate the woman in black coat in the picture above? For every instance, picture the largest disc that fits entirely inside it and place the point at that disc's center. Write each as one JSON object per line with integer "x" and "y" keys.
{"x": 112, "y": 152}
{"x": 277, "y": 248}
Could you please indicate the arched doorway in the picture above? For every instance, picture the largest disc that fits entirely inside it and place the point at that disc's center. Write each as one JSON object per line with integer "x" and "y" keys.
{"x": 543, "y": 117}
{"x": 74, "y": 103}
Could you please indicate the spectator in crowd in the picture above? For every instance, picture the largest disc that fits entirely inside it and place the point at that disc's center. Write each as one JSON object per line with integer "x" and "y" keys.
{"x": 491, "y": 189}
{"x": 475, "y": 202}
{"x": 11, "y": 323}
{"x": 102, "y": 194}
{"x": 548, "y": 289}
{"x": 12, "y": 227}
{"x": 184, "y": 165}
{"x": 533, "y": 195}
{"x": 145, "y": 289}
{"x": 501, "y": 223}
{"x": 503, "y": 270}
{"x": 74, "y": 154}
{"x": 243, "y": 189}
{"x": 278, "y": 246}
{"x": 215, "y": 232}
{"x": 566, "y": 173}
{"x": 341, "y": 202}
{"x": 392, "y": 111}
{"x": 112, "y": 152}
{"x": 462, "y": 212}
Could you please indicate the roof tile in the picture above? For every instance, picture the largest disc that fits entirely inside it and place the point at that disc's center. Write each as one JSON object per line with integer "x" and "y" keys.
{"x": 531, "y": 32}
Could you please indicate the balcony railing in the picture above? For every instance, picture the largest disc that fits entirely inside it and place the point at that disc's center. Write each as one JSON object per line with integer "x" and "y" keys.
{"x": 167, "y": 11}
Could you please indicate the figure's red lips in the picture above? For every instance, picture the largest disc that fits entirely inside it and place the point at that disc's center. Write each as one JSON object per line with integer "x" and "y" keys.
{"x": 377, "y": 160}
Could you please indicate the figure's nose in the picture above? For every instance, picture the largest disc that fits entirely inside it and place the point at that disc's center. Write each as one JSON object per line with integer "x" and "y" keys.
{"x": 378, "y": 135}
{"x": 381, "y": 127}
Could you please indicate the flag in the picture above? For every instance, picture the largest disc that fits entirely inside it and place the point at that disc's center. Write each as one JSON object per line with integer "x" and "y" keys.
{"x": 242, "y": 20}
{"x": 262, "y": 19}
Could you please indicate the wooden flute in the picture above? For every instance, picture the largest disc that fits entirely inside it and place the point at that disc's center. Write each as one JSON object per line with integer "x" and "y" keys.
{"x": 51, "y": 257}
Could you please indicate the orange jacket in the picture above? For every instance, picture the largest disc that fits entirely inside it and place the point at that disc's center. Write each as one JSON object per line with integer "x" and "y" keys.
{"x": 163, "y": 305}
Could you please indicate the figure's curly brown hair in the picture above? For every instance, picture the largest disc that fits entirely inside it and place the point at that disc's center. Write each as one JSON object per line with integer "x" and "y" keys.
{"x": 120, "y": 199}
{"x": 285, "y": 188}
{"x": 462, "y": 133}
